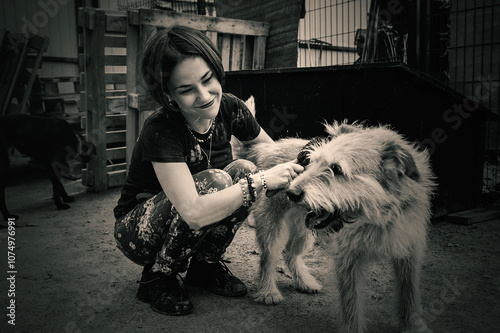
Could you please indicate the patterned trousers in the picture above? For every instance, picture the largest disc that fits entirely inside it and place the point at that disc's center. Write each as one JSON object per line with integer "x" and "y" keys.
{"x": 154, "y": 232}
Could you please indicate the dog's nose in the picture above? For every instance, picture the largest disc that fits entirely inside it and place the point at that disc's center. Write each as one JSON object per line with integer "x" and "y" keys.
{"x": 295, "y": 196}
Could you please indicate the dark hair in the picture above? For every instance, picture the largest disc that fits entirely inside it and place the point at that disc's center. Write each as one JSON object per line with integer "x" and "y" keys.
{"x": 169, "y": 47}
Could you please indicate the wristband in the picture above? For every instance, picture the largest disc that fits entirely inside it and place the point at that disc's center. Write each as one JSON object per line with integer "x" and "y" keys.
{"x": 251, "y": 188}
{"x": 263, "y": 179}
{"x": 243, "y": 183}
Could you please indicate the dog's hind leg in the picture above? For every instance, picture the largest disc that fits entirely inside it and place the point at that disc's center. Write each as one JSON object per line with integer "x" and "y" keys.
{"x": 58, "y": 191}
{"x": 269, "y": 230}
{"x": 409, "y": 308}
{"x": 4, "y": 169}
{"x": 299, "y": 241}
{"x": 349, "y": 266}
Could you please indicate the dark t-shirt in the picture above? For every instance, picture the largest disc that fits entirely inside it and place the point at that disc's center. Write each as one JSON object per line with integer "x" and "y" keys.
{"x": 166, "y": 138}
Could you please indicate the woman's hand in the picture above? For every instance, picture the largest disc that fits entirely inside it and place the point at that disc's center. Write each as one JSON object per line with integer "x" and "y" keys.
{"x": 279, "y": 176}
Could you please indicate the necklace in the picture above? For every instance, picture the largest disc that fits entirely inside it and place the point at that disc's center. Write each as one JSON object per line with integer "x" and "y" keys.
{"x": 209, "y": 153}
{"x": 209, "y": 137}
{"x": 210, "y": 131}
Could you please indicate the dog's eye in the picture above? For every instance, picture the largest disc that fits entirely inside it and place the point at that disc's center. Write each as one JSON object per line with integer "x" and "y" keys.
{"x": 337, "y": 169}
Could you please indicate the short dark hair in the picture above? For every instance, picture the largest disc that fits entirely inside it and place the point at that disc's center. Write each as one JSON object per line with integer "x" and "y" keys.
{"x": 167, "y": 48}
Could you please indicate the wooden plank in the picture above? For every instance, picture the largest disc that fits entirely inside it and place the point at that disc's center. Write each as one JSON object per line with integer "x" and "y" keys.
{"x": 116, "y": 167}
{"x": 259, "y": 53}
{"x": 212, "y": 35}
{"x": 116, "y": 153}
{"x": 225, "y": 50}
{"x": 472, "y": 216}
{"x": 116, "y": 136}
{"x": 116, "y": 104}
{"x": 116, "y": 22}
{"x": 115, "y": 41}
{"x": 133, "y": 76}
{"x": 204, "y": 23}
{"x": 96, "y": 121}
{"x": 237, "y": 51}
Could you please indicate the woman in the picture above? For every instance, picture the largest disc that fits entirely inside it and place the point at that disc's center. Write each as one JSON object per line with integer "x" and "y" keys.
{"x": 184, "y": 197}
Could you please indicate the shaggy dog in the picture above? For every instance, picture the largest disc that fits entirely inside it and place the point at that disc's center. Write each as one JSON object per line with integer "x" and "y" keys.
{"x": 370, "y": 186}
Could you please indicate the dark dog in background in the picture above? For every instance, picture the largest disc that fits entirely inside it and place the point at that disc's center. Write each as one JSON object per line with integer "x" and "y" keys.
{"x": 50, "y": 142}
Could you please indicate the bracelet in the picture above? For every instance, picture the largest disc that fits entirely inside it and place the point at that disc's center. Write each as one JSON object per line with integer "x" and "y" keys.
{"x": 251, "y": 188}
{"x": 263, "y": 179}
{"x": 243, "y": 183}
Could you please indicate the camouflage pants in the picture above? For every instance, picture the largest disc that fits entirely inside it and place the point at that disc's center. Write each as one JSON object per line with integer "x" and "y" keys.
{"x": 154, "y": 233}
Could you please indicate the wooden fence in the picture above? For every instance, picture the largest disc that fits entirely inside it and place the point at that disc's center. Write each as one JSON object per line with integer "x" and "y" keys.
{"x": 242, "y": 45}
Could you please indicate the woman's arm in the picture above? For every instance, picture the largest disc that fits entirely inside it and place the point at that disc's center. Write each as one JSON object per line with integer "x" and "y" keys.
{"x": 263, "y": 137}
{"x": 198, "y": 211}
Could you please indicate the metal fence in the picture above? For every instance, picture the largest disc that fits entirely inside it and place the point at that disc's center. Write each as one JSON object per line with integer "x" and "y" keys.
{"x": 457, "y": 42}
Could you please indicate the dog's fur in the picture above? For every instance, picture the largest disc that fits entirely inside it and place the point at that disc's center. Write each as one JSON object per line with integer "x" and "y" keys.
{"x": 369, "y": 184}
{"x": 49, "y": 142}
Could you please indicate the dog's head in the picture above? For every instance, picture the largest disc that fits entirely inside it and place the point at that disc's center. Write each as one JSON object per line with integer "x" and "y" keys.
{"x": 359, "y": 172}
{"x": 85, "y": 150}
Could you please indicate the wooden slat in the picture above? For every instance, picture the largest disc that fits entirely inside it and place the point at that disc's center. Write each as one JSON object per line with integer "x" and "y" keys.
{"x": 225, "y": 50}
{"x": 203, "y": 23}
{"x": 116, "y": 104}
{"x": 116, "y": 167}
{"x": 237, "y": 51}
{"x": 259, "y": 52}
{"x": 115, "y": 153}
{"x": 116, "y": 22}
{"x": 472, "y": 216}
{"x": 116, "y": 136}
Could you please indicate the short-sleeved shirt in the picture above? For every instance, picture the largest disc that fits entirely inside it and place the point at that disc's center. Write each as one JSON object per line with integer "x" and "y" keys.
{"x": 166, "y": 138}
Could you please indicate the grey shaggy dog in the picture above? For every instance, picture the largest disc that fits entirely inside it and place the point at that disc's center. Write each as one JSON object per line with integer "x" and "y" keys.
{"x": 370, "y": 186}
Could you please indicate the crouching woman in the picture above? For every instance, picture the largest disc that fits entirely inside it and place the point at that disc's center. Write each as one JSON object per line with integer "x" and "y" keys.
{"x": 184, "y": 197}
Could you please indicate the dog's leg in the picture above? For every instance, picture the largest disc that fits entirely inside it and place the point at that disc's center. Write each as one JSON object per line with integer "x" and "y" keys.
{"x": 349, "y": 266}
{"x": 268, "y": 234}
{"x": 409, "y": 308}
{"x": 299, "y": 242}
{"x": 4, "y": 168}
{"x": 57, "y": 188}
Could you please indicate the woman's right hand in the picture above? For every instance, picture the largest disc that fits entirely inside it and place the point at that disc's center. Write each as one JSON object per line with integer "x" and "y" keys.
{"x": 279, "y": 176}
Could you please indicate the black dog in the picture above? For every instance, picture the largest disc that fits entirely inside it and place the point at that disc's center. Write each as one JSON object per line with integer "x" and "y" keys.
{"x": 50, "y": 142}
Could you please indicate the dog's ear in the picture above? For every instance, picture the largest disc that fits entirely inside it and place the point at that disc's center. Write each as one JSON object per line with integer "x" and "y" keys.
{"x": 338, "y": 128}
{"x": 398, "y": 163}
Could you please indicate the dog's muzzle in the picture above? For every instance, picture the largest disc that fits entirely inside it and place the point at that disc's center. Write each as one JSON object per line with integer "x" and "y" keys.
{"x": 323, "y": 219}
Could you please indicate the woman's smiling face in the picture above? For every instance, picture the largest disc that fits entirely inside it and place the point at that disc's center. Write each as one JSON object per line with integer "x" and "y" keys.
{"x": 195, "y": 88}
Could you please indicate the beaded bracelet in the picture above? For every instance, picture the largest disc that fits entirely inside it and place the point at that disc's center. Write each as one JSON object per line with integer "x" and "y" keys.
{"x": 263, "y": 179}
{"x": 251, "y": 188}
{"x": 243, "y": 183}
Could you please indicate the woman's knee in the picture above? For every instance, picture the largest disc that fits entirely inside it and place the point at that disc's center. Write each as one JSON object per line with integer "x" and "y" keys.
{"x": 212, "y": 180}
{"x": 239, "y": 168}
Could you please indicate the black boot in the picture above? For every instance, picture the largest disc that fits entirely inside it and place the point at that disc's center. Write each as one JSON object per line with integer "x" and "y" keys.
{"x": 215, "y": 276}
{"x": 164, "y": 293}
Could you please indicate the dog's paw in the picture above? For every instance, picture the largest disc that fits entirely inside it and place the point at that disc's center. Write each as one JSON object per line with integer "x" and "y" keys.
{"x": 62, "y": 207}
{"x": 68, "y": 199}
{"x": 308, "y": 285}
{"x": 310, "y": 288}
{"x": 268, "y": 298}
